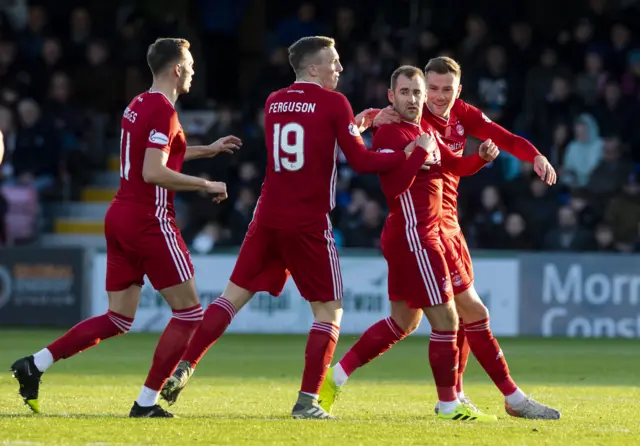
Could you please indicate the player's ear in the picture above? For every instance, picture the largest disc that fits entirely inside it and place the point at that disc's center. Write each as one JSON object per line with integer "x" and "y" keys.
{"x": 177, "y": 69}
{"x": 459, "y": 91}
{"x": 390, "y": 95}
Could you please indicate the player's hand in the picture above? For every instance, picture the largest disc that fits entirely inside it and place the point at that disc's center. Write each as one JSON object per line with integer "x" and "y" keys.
{"x": 545, "y": 170}
{"x": 364, "y": 119}
{"x": 226, "y": 144}
{"x": 488, "y": 151}
{"x": 408, "y": 150}
{"x": 218, "y": 189}
{"x": 428, "y": 142}
{"x": 386, "y": 116}
{"x": 427, "y": 164}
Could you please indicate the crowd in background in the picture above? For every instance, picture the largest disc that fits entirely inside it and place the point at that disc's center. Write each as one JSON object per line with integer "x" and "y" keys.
{"x": 67, "y": 72}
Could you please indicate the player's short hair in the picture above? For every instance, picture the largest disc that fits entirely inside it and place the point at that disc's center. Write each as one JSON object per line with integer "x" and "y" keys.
{"x": 307, "y": 47}
{"x": 165, "y": 51}
{"x": 408, "y": 71}
{"x": 443, "y": 65}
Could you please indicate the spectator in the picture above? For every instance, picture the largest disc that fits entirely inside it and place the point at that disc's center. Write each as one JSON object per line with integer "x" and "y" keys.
{"x": 611, "y": 174}
{"x": 538, "y": 208}
{"x": 367, "y": 234}
{"x": 631, "y": 78}
{"x": 559, "y": 106}
{"x": 604, "y": 239}
{"x": 568, "y": 235}
{"x": 212, "y": 235}
{"x": 242, "y": 214}
{"x": 587, "y": 215}
{"x": 623, "y": 212}
{"x": 37, "y": 151}
{"x": 490, "y": 220}
{"x": 591, "y": 81}
{"x": 583, "y": 153}
{"x": 588, "y": 75}
{"x": 614, "y": 113}
{"x": 496, "y": 88}
{"x": 9, "y": 134}
{"x": 515, "y": 234}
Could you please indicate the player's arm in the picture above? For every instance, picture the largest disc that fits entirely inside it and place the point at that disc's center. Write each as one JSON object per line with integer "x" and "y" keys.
{"x": 469, "y": 165}
{"x": 154, "y": 169}
{"x": 480, "y": 126}
{"x": 462, "y": 166}
{"x": 350, "y": 141}
{"x": 226, "y": 144}
{"x": 389, "y": 139}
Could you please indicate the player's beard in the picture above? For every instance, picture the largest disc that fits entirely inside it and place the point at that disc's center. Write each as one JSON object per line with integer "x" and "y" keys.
{"x": 409, "y": 115}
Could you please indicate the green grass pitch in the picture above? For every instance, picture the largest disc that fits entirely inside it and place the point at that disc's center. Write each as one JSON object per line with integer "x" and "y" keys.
{"x": 243, "y": 391}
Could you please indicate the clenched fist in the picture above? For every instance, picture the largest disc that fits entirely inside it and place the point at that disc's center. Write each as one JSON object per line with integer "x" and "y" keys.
{"x": 488, "y": 151}
{"x": 218, "y": 190}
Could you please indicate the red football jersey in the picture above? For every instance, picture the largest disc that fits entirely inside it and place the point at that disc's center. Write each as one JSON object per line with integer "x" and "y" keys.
{"x": 464, "y": 120}
{"x": 414, "y": 196}
{"x": 150, "y": 121}
{"x": 305, "y": 126}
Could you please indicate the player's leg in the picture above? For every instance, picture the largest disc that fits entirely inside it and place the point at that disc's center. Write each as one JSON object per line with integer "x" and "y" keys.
{"x": 313, "y": 261}
{"x": 258, "y": 268}
{"x": 123, "y": 284}
{"x": 461, "y": 280}
{"x": 443, "y": 358}
{"x": 168, "y": 266}
{"x": 436, "y": 300}
{"x": 375, "y": 341}
{"x": 486, "y": 349}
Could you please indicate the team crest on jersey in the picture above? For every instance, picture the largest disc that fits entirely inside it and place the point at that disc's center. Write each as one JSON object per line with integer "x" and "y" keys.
{"x": 446, "y": 285}
{"x": 457, "y": 279}
{"x": 353, "y": 130}
{"x": 460, "y": 129}
{"x": 158, "y": 138}
{"x": 486, "y": 118}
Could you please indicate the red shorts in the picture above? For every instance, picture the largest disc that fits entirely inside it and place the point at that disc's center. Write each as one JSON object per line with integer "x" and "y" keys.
{"x": 139, "y": 244}
{"x": 268, "y": 256}
{"x": 459, "y": 262}
{"x": 417, "y": 274}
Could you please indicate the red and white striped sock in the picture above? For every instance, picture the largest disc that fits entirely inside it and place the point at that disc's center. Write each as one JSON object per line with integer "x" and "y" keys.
{"x": 321, "y": 344}
{"x": 171, "y": 347}
{"x": 82, "y": 336}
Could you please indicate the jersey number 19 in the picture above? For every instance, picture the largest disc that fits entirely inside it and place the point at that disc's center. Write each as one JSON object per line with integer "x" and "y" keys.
{"x": 290, "y": 140}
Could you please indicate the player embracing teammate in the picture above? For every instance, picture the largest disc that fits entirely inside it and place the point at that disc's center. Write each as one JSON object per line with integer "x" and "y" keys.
{"x": 305, "y": 125}
{"x": 451, "y": 119}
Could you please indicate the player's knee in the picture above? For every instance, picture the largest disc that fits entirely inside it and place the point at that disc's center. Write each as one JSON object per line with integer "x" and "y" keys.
{"x": 443, "y": 317}
{"x": 470, "y": 307}
{"x": 183, "y": 295}
{"x": 329, "y": 312}
{"x": 237, "y": 295}
{"x": 408, "y": 321}
{"x": 409, "y": 326}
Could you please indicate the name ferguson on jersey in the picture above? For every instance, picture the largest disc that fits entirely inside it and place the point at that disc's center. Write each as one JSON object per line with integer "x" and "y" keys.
{"x": 298, "y": 107}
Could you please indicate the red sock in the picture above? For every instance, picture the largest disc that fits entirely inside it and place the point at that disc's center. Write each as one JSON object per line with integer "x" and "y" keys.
{"x": 378, "y": 338}
{"x": 171, "y": 346}
{"x": 488, "y": 353}
{"x": 88, "y": 333}
{"x": 463, "y": 355}
{"x": 443, "y": 357}
{"x": 216, "y": 320}
{"x": 321, "y": 344}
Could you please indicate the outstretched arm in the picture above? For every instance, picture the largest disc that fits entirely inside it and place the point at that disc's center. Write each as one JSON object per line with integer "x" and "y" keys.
{"x": 480, "y": 126}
